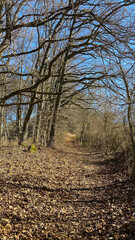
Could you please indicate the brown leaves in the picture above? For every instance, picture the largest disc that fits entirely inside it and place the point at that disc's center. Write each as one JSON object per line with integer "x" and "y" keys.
{"x": 64, "y": 195}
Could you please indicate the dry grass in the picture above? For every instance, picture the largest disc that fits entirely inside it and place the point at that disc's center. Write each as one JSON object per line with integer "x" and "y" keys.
{"x": 69, "y": 137}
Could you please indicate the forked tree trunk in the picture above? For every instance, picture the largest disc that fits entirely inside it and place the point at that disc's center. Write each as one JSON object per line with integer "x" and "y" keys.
{"x": 50, "y": 142}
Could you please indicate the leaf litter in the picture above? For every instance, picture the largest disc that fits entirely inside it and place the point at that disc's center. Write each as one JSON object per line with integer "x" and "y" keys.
{"x": 64, "y": 194}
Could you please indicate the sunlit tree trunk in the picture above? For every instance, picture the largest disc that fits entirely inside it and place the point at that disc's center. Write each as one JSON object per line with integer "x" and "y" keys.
{"x": 59, "y": 85}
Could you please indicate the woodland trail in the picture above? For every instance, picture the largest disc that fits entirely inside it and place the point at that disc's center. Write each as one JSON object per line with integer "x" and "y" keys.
{"x": 64, "y": 194}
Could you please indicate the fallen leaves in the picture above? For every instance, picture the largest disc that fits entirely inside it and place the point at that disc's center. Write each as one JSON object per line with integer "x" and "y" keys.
{"x": 64, "y": 195}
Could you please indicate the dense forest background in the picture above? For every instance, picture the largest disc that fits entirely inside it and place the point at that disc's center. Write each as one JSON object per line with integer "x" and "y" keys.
{"x": 68, "y": 65}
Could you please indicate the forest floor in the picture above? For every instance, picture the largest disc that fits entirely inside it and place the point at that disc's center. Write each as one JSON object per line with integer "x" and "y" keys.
{"x": 68, "y": 193}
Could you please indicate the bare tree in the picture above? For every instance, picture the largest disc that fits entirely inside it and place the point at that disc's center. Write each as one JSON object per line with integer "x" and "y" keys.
{"x": 72, "y": 34}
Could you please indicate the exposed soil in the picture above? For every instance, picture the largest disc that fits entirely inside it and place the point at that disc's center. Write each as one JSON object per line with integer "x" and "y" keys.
{"x": 64, "y": 194}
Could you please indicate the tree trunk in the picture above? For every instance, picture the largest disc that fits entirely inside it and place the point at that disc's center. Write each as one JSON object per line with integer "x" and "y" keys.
{"x": 1, "y": 123}
{"x": 50, "y": 142}
{"x": 131, "y": 132}
{"x": 38, "y": 123}
{"x": 19, "y": 117}
{"x": 23, "y": 135}
{"x": 132, "y": 138}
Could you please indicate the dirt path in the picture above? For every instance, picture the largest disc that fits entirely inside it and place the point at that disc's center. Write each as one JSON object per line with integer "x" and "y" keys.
{"x": 64, "y": 194}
